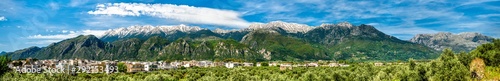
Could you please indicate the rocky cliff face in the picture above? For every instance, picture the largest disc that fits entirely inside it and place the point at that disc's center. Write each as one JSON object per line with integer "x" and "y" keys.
{"x": 365, "y": 42}
{"x": 458, "y": 42}
{"x": 331, "y": 34}
{"x": 184, "y": 49}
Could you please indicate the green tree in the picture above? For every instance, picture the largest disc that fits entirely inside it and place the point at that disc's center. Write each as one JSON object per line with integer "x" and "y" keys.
{"x": 412, "y": 64}
{"x": 4, "y": 61}
{"x": 464, "y": 58}
{"x": 490, "y": 52}
{"x": 264, "y": 64}
{"x": 121, "y": 67}
{"x": 448, "y": 68}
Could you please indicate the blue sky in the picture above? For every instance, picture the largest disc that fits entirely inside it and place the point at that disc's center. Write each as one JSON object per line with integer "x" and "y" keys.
{"x": 25, "y": 23}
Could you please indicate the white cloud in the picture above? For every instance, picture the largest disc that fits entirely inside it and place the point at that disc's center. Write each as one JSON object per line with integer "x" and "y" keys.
{"x": 42, "y": 42}
{"x": 181, "y": 13}
{"x": 53, "y": 6}
{"x": 470, "y": 2}
{"x": 470, "y": 25}
{"x": 47, "y": 39}
{"x": 2, "y": 18}
{"x": 75, "y": 3}
{"x": 64, "y": 31}
{"x": 488, "y": 15}
{"x": 97, "y": 33}
{"x": 374, "y": 24}
{"x": 108, "y": 22}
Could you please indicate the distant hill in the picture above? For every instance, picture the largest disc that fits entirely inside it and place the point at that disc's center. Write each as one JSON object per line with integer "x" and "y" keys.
{"x": 260, "y": 42}
{"x": 466, "y": 41}
{"x": 2, "y": 53}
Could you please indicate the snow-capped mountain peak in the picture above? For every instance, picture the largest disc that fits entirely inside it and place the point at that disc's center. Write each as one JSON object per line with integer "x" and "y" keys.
{"x": 148, "y": 29}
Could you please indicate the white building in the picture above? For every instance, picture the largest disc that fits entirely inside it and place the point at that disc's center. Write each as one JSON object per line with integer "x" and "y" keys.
{"x": 146, "y": 66}
{"x": 205, "y": 63}
{"x": 176, "y": 63}
{"x": 333, "y": 65}
{"x": 247, "y": 64}
{"x": 378, "y": 64}
{"x": 312, "y": 64}
{"x": 344, "y": 65}
{"x": 187, "y": 65}
{"x": 229, "y": 65}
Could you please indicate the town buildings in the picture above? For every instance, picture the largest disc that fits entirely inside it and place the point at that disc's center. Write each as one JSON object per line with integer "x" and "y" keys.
{"x": 74, "y": 66}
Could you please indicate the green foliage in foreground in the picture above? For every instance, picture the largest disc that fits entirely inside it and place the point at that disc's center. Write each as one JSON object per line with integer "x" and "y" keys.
{"x": 356, "y": 73}
{"x": 4, "y": 60}
{"x": 447, "y": 68}
{"x": 121, "y": 67}
{"x": 490, "y": 52}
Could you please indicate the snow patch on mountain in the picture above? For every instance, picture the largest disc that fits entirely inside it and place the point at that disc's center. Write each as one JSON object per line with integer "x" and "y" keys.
{"x": 345, "y": 24}
{"x": 218, "y": 30}
{"x": 289, "y": 27}
{"x": 148, "y": 29}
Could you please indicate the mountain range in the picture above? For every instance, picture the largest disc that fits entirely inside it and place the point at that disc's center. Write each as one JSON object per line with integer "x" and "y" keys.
{"x": 465, "y": 41}
{"x": 2, "y": 53}
{"x": 259, "y": 42}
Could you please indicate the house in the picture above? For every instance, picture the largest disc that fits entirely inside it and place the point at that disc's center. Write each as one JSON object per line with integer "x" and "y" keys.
{"x": 176, "y": 63}
{"x": 110, "y": 67}
{"x": 152, "y": 67}
{"x": 146, "y": 66}
{"x": 333, "y": 65}
{"x": 134, "y": 67}
{"x": 286, "y": 66}
{"x": 94, "y": 65}
{"x": 218, "y": 64}
{"x": 300, "y": 65}
{"x": 246, "y": 64}
{"x": 231, "y": 64}
{"x": 205, "y": 64}
{"x": 186, "y": 65}
{"x": 273, "y": 64}
{"x": 164, "y": 65}
{"x": 312, "y": 64}
{"x": 378, "y": 64}
{"x": 344, "y": 65}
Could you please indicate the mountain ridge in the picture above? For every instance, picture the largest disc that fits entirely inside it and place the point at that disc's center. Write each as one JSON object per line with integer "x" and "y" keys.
{"x": 465, "y": 41}
{"x": 266, "y": 42}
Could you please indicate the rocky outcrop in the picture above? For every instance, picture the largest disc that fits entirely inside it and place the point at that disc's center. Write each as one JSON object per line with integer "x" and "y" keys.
{"x": 458, "y": 42}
